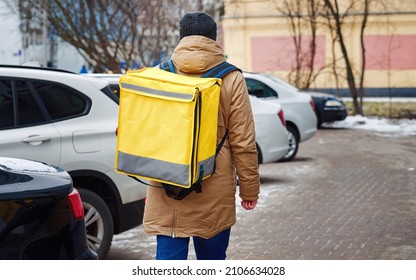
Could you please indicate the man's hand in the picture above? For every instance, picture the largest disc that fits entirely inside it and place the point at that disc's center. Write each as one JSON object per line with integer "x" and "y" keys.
{"x": 249, "y": 204}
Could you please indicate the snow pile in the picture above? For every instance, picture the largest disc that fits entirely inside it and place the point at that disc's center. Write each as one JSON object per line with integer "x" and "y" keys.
{"x": 392, "y": 127}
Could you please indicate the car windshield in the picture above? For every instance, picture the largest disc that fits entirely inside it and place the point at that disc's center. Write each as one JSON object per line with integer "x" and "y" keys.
{"x": 283, "y": 83}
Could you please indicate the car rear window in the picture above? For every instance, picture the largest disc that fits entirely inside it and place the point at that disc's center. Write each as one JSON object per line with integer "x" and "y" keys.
{"x": 259, "y": 89}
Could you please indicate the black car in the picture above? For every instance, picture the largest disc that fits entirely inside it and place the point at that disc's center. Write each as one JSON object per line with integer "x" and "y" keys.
{"x": 329, "y": 108}
{"x": 41, "y": 213}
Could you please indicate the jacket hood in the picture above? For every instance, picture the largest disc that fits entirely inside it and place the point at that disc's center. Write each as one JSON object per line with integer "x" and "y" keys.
{"x": 196, "y": 54}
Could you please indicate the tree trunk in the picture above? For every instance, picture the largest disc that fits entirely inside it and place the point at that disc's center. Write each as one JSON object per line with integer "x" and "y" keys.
{"x": 350, "y": 75}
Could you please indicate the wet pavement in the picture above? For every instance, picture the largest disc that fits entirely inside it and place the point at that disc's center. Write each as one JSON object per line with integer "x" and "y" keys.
{"x": 349, "y": 195}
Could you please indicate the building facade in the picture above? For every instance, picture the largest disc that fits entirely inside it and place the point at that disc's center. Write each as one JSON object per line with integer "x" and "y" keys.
{"x": 275, "y": 36}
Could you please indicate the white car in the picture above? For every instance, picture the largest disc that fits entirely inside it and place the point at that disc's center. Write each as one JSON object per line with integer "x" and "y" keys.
{"x": 271, "y": 133}
{"x": 298, "y": 108}
{"x": 69, "y": 120}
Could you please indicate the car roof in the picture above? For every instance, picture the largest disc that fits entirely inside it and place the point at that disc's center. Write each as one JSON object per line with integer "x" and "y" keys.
{"x": 34, "y": 66}
{"x": 110, "y": 78}
{"x": 51, "y": 74}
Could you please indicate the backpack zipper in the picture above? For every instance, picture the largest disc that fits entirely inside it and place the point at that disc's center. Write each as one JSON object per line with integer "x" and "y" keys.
{"x": 197, "y": 124}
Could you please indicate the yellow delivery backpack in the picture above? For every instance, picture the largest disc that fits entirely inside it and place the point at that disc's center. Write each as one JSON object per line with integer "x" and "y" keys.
{"x": 167, "y": 126}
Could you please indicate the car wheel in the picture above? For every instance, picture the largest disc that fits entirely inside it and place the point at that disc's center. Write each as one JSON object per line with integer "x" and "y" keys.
{"x": 98, "y": 221}
{"x": 293, "y": 137}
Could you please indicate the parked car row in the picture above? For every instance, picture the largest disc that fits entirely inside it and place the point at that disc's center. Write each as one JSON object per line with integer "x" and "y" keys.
{"x": 69, "y": 120}
{"x": 329, "y": 108}
{"x": 298, "y": 108}
{"x": 270, "y": 124}
{"x": 302, "y": 112}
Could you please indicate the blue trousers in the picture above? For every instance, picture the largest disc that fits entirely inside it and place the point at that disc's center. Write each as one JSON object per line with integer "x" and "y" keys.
{"x": 214, "y": 248}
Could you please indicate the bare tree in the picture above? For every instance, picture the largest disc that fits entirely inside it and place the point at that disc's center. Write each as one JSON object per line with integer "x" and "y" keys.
{"x": 302, "y": 15}
{"x": 362, "y": 72}
{"x": 336, "y": 21}
{"x": 305, "y": 18}
{"x": 109, "y": 32}
{"x": 334, "y": 68}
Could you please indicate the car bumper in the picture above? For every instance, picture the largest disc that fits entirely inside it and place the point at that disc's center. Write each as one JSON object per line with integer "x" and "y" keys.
{"x": 274, "y": 155}
{"x": 333, "y": 114}
{"x": 308, "y": 134}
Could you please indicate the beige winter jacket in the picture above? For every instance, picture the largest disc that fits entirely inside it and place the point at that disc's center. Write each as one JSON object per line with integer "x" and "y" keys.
{"x": 214, "y": 210}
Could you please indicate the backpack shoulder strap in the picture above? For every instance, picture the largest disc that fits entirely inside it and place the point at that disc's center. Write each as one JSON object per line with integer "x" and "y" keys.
{"x": 168, "y": 66}
{"x": 218, "y": 71}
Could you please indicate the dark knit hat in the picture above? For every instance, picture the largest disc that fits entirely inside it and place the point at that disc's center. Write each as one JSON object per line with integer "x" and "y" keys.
{"x": 198, "y": 23}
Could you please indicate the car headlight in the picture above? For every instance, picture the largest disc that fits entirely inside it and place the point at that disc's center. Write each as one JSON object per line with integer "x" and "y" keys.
{"x": 333, "y": 103}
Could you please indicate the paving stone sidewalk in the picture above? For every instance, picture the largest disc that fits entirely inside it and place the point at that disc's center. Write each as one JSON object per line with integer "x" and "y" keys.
{"x": 349, "y": 195}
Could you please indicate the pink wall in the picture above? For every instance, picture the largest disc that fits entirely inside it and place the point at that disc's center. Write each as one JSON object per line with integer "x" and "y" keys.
{"x": 278, "y": 53}
{"x": 395, "y": 52}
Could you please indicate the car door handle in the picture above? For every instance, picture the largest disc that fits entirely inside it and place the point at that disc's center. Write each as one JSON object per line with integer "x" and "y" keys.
{"x": 36, "y": 139}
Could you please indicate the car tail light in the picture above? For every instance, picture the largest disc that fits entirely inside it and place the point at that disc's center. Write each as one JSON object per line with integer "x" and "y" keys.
{"x": 313, "y": 105}
{"x": 282, "y": 117}
{"x": 75, "y": 203}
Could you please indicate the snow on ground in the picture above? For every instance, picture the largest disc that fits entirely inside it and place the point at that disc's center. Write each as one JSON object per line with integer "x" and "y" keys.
{"x": 383, "y": 126}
